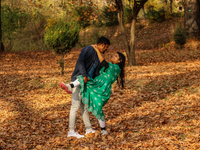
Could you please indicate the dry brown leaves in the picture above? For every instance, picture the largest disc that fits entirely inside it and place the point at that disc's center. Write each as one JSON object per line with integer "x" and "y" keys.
{"x": 158, "y": 109}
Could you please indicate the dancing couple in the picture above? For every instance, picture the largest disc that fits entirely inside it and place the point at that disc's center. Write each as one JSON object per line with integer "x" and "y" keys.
{"x": 91, "y": 84}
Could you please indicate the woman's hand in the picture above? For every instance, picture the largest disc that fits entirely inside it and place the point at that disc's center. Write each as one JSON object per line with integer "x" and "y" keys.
{"x": 86, "y": 79}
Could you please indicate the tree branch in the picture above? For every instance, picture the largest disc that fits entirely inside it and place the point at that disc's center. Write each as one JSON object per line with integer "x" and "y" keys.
{"x": 138, "y": 7}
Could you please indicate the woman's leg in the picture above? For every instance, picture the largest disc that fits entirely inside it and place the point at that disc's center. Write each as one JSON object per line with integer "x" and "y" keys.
{"x": 70, "y": 88}
{"x": 102, "y": 124}
{"x": 103, "y": 127}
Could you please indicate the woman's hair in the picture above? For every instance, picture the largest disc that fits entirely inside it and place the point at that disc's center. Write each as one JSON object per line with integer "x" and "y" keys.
{"x": 121, "y": 64}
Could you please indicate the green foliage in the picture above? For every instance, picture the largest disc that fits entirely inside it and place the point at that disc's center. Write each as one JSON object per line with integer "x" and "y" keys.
{"x": 62, "y": 36}
{"x": 82, "y": 15}
{"x": 12, "y": 19}
{"x": 98, "y": 19}
{"x": 180, "y": 35}
{"x": 128, "y": 14}
{"x": 110, "y": 16}
{"x": 154, "y": 15}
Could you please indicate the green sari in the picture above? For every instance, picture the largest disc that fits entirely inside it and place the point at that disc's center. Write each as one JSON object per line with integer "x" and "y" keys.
{"x": 96, "y": 92}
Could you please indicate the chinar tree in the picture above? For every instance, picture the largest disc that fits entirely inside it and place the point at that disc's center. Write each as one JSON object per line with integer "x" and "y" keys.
{"x": 129, "y": 44}
{"x": 62, "y": 37}
{"x": 191, "y": 18}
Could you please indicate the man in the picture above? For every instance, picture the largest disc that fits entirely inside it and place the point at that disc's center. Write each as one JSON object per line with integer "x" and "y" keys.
{"x": 87, "y": 65}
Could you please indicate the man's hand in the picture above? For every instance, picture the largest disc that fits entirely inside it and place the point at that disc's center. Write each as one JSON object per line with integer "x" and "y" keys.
{"x": 86, "y": 79}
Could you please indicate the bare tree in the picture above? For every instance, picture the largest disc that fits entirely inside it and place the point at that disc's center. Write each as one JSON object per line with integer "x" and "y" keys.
{"x": 129, "y": 45}
{"x": 192, "y": 19}
{"x": 1, "y": 47}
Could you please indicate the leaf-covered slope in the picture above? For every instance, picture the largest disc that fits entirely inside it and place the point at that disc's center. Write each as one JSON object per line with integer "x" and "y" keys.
{"x": 158, "y": 109}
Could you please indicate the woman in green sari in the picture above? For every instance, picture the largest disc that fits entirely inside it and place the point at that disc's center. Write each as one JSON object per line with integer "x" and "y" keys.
{"x": 96, "y": 92}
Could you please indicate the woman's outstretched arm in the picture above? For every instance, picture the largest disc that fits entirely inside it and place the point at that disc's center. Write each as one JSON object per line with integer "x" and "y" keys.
{"x": 98, "y": 53}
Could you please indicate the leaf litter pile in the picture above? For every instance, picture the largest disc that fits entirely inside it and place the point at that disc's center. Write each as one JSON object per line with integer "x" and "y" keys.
{"x": 158, "y": 109}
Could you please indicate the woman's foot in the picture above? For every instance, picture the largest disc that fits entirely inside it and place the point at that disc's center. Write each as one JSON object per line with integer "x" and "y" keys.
{"x": 67, "y": 88}
{"x": 104, "y": 132}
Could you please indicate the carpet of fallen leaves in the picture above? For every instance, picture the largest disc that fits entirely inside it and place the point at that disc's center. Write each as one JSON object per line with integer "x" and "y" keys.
{"x": 158, "y": 109}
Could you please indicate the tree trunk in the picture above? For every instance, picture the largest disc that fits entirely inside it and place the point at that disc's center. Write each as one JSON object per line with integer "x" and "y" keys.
{"x": 62, "y": 64}
{"x": 131, "y": 57}
{"x": 129, "y": 47}
{"x": 1, "y": 47}
{"x": 192, "y": 19}
{"x": 125, "y": 40}
{"x": 165, "y": 5}
{"x": 171, "y": 1}
{"x": 144, "y": 18}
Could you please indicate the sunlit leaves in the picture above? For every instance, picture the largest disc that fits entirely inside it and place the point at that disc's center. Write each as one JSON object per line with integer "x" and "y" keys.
{"x": 159, "y": 108}
{"x": 83, "y": 14}
{"x": 35, "y": 3}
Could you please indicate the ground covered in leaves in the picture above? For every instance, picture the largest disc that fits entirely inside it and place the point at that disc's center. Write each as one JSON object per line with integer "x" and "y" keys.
{"x": 158, "y": 109}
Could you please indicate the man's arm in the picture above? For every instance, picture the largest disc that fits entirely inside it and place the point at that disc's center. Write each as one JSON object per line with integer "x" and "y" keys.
{"x": 81, "y": 62}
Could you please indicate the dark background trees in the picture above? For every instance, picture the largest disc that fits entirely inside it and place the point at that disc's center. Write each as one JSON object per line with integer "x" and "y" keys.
{"x": 192, "y": 18}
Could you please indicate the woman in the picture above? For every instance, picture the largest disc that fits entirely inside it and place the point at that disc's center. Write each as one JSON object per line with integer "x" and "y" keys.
{"x": 96, "y": 92}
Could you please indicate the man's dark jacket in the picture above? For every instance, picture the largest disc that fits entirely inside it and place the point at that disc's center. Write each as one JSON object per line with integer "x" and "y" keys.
{"x": 84, "y": 63}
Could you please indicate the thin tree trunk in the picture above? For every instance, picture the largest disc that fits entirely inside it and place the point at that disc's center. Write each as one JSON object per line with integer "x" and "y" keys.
{"x": 125, "y": 40}
{"x": 171, "y": 1}
{"x": 62, "y": 64}
{"x": 1, "y": 42}
{"x": 131, "y": 58}
{"x": 129, "y": 47}
{"x": 0, "y": 30}
{"x": 165, "y": 5}
{"x": 144, "y": 18}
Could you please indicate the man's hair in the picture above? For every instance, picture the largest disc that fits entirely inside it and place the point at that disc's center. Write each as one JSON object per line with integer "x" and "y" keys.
{"x": 103, "y": 40}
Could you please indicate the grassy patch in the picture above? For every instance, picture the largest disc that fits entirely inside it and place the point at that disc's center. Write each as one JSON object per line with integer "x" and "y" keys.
{"x": 27, "y": 44}
{"x": 167, "y": 99}
{"x": 52, "y": 84}
{"x": 182, "y": 136}
{"x": 23, "y": 84}
{"x": 194, "y": 89}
